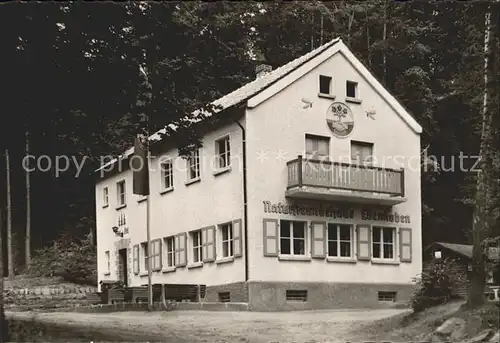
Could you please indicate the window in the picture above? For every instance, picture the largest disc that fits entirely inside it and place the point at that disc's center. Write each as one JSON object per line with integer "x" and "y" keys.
{"x": 194, "y": 165}
{"x": 387, "y": 296}
{"x": 170, "y": 251}
{"x": 107, "y": 258}
{"x": 383, "y": 242}
{"x": 120, "y": 191}
{"x": 105, "y": 195}
{"x": 167, "y": 175}
{"x": 351, "y": 89}
{"x": 296, "y": 295}
{"x": 292, "y": 237}
{"x": 223, "y": 152}
{"x": 325, "y": 83}
{"x": 155, "y": 254}
{"x": 227, "y": 239}
{"x": 196, "y": 241}
{"x": 361, "y": 152}
{"x": 317, "y": 146}
{"x": 144, "y": 255}
{"x": 339, "y": 240}
{"x": 224, "y": 297}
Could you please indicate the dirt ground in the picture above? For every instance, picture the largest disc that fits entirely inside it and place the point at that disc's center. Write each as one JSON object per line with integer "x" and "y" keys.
{"x": 204, "y": 326}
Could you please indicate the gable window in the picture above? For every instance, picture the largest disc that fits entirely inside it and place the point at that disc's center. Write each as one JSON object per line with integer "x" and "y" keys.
{"x": 170, "y": 251}
{"x": 339, "y": 240}
{"x": 317, "y": 146}
{"x": 351, "y": 89}
{"x": 223, "y": 152}
{"x": 361, "y": 152}
{"x": 292, "y": 237}
{"x": 120, "y": 192}
{"x": 227, "y": 239}
{"x": 107, "y": 258}
{"x": 105, "y": 196}
{"x": 194, "y": 165}
{"x": 196, "y": 244}
{"x": 167, "y": 175}
{"x": 383, "y": 245}
{"x": 325, "y": 83}
{"x": 144, "y": 255}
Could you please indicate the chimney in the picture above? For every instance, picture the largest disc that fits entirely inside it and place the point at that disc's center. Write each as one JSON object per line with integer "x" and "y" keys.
{"x": 262, "y": 69}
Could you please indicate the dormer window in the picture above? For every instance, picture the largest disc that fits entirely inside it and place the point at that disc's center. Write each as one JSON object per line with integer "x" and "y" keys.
{"x": 325, "y": 84}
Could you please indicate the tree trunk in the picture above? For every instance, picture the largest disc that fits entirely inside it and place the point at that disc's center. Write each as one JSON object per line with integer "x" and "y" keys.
{"x": 483, "y": 211}
{"x": 3, "y": 323}
{"x": 27, "y": 241}
{"x": 10, "y": 261}
{"x": 384, "y": 51}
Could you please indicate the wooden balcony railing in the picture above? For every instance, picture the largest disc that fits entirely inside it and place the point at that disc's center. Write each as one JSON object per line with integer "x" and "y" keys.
{"x": 345, "y": 176}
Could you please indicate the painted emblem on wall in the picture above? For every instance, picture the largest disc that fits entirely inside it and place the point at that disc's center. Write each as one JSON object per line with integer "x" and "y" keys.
{"x": 340, "y": 119}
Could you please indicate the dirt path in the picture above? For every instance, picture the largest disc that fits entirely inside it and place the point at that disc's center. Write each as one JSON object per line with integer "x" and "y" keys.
{"x": 203, "y": 326}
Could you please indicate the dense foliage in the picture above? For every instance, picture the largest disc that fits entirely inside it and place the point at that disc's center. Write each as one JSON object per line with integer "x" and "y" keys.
{"x": 439, "y": 283}
{"x": 73, "y": 259}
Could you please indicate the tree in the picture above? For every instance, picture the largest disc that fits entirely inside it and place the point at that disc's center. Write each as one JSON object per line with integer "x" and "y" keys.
{"x": 28, "y": 210}
{"x": 10, "y": 261}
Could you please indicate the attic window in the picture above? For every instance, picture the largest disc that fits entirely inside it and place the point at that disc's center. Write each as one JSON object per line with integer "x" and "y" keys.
{"x": 351, "y": 89}
{"x": 325, "y": 83}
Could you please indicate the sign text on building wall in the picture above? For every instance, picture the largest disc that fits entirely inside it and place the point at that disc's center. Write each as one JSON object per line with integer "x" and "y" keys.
{"x": 330, "y": 211}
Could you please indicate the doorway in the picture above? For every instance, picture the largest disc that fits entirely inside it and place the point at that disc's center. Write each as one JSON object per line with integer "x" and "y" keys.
{"x": 122, "y": 267}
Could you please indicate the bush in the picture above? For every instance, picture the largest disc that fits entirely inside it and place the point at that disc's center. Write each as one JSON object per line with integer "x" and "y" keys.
{"x": 438, "y": 284}
{"x": 73, "y": 259}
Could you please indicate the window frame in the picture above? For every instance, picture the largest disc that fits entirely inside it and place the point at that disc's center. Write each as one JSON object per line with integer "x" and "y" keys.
{"x": 325, "y": 78}
{"x": 226, "y": 155}
{"x": 358, "y": 161}
{"x": 338, "y": 241}
{"x": 355, "y": 85}
{"x": 291, "y": 238}
{"x": 164, "y": 174}
{"x": 382, "y": 243}
{"x": 169, "y": 253}
{"x": 315, "y": 153}
{"x": 196, "y": 250}
{"x": 105, "y": 196}
{"x": 193, "y": 164}
{"x": 107, "y": 259}
{"x": 229, "y": 241}
{"x": 118, "y": 193}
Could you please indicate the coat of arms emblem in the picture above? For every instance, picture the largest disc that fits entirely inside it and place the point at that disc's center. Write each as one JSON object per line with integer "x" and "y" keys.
{"x": 340, "y": 119}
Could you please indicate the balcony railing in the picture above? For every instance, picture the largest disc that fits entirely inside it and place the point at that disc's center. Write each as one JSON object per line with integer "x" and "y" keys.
{"x": 344, "y": 176}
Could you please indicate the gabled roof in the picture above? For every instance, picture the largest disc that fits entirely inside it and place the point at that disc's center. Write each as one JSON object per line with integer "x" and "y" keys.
{"x": 466, "y": 250}
{"x": 252, "y": 89}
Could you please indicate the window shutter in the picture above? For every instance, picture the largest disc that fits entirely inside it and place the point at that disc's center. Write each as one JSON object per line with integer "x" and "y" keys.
{"x": 156, "y": 254}
{"x": 270, "y": 229}
{"x": 208, "y": 243}
{"x": 364, "y": 242}
{"x": 237, "y": 242}
{"x": 135, "y": 253}
{"x": 318, "y": 241}
{"x": 180, "y": 250}
{"x": 405, "y": 244}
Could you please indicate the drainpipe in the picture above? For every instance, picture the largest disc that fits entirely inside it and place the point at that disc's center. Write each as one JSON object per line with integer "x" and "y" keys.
{"x": 245, "y": 197}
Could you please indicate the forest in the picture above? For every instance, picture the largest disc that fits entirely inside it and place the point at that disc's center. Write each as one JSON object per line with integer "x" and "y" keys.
{"x": 71, "y": 86}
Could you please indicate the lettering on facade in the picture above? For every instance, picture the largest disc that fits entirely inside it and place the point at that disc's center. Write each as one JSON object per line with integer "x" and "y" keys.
{"x": 335, "y": 212}
{"x": 318, "y": 211}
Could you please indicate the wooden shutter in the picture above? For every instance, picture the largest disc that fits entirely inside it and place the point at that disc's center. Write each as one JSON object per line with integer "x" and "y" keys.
{"x": 135, "y": 254}
{"x": 318, "y": 239}
{"x": 156, "y": 254}
{"x": 405, "y": 245}
{"x": 271, "y": 238}
{"x": 180, "y": 250}
{"x": 237, "y": 241}
{"x": 364, "y": 242}
{"x": 208, "y": 243}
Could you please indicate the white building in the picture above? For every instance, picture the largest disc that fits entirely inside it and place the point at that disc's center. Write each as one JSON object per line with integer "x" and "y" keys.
{"x": 281, "y": 207}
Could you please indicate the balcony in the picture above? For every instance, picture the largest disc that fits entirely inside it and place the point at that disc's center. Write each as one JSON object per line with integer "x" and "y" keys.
{"x": 335, "y": 181}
